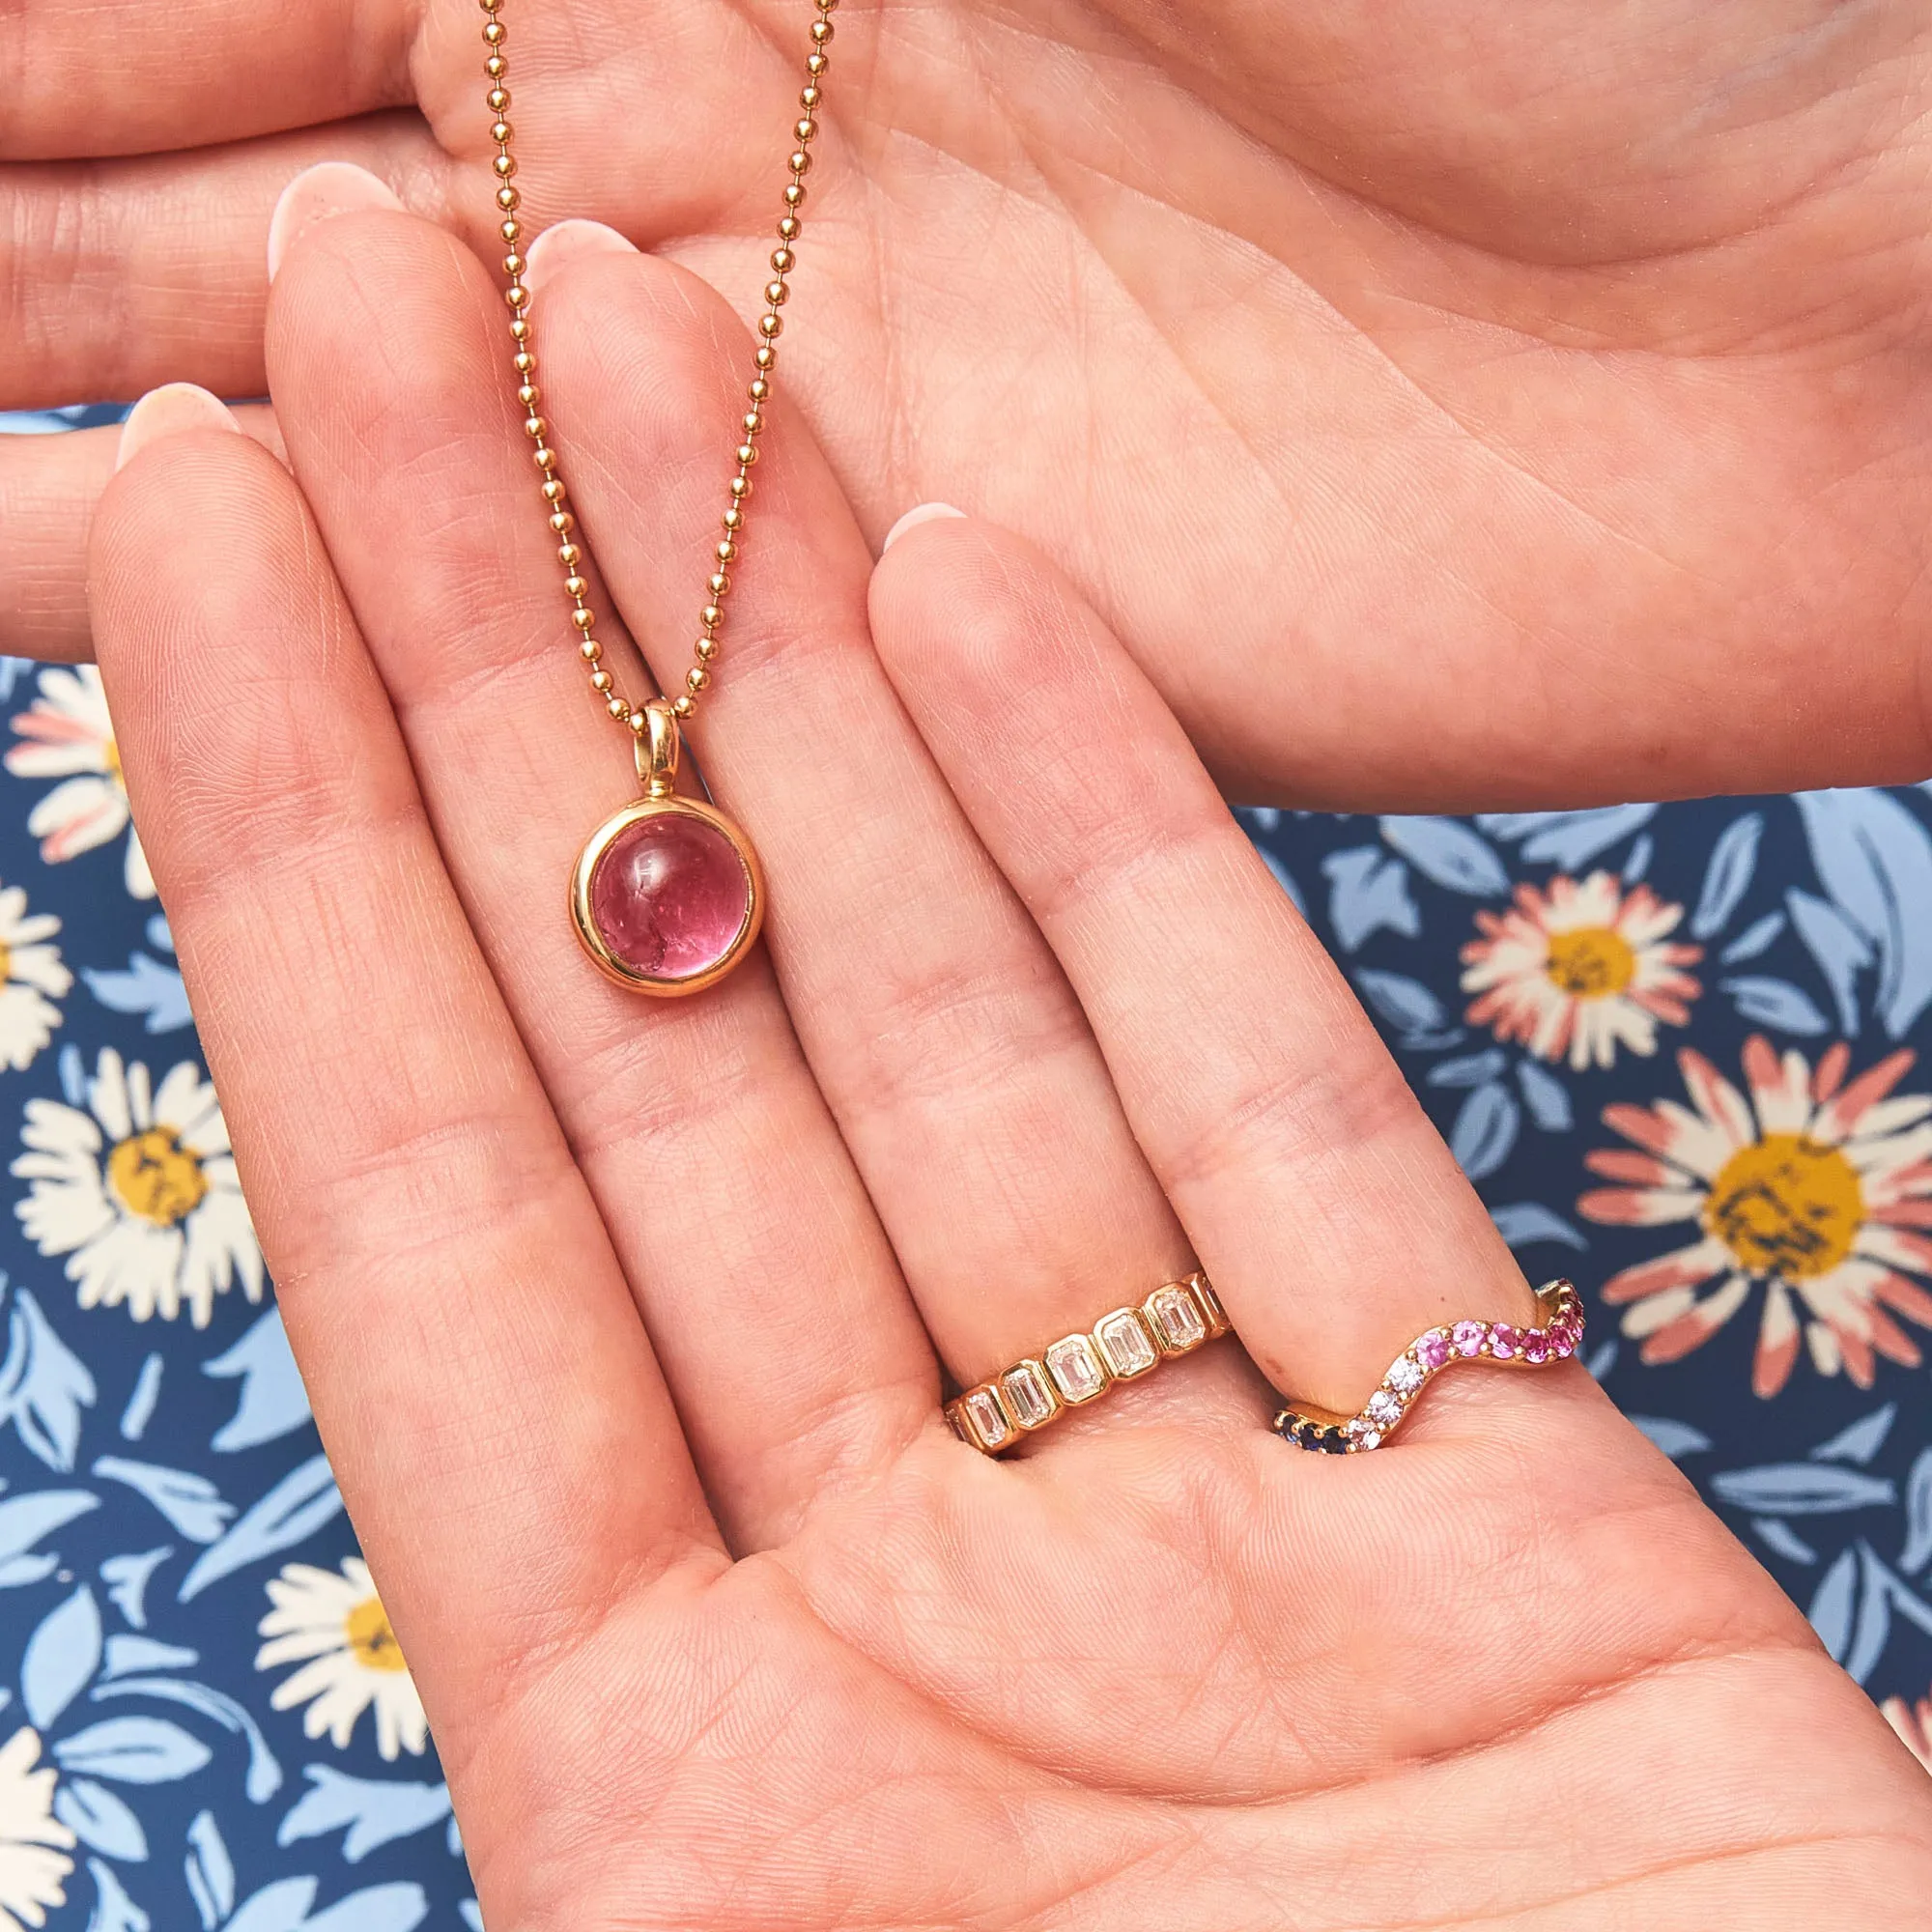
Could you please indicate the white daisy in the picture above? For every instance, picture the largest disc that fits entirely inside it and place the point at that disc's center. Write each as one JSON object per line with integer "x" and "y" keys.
{"x": 1580, "y": 970}
{"x": 33, "y": 1843}
{"x": 68, "y": 735}
{"x": 1814, "y": 1188}
{"x": 139, "y": 1191}
{"x": 31, "y": 978}
{"x": 336, "y": 1628}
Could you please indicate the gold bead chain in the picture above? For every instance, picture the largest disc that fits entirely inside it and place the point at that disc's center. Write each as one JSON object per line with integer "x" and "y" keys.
{"x": 636, "y": 718}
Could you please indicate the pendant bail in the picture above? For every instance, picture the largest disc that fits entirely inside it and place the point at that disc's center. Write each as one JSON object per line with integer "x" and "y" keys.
{"x": 657, "y": 750}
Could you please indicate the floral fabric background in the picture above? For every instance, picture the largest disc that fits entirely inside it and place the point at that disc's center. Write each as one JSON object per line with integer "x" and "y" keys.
{"x": 1684, "y": 1051}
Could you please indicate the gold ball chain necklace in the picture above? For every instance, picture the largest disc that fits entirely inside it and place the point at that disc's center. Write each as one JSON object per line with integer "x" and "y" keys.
{"x": 666, "y": 895}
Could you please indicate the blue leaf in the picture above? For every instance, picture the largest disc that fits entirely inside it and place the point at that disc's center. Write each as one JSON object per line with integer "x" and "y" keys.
{"x": 1728, "y": 875}
{"x": 25, "y": 1519}
{"x": 381, "y": 1908}
{"x": 1875, "y": 860}
{"x": 274, "y": 1401}
{"x": 1525, "y": 1223}
{"x": 374, "y": 1811}
{"x": 159, "y": 935}
{"x": 100, "y": 1820}
{"x": 1802, "y": 1489}
{"x": 1568, "y": 839}
{"x": 1472, "y": 1070}
{"x": 472, "y": 1914}
{"x": 1402, "y": 1001}
{"x": 1756, "y": 938}
{"x": 1485, "y": 1130}
{"x": 281, "y": 1907}
{"x": 211, "y": 1871}
{"x": 1839, "y": 949}
{"x": 291, "y": 1513}
{"x": 1861, "y": 1442}
{"x": 133, "y": 1750}
{"x": 1637, "y": 863}
{"x": 1832, "y": 1607}
{"x": 1917, "y": 1550}
{"x": 43, "y": 1385}
{"x": 146, "y": 988}
{"x": 1602, "y": 1359}
{"x": 127, "y": 1579}
{"x": 1285, "y": 879}
{"x": 1872, "y": 1630}
{"x": 140, "y": 1410}
{"x": 1368, "y": 893}
{"x": 1776, "y": 1004}
{"x": 127, "y": 1655}
{"x": 264, "y": 1772}
{"x": 1783, "y": 1538}
{"x": 62, "y": 1655}
{"x": 113, "y": 1910}
{"x": 1677, "y": 1439}
{"x": 191, "y": 1503}
{"x": 1546, "y": 1096}
{"x": 1446, "y": 851}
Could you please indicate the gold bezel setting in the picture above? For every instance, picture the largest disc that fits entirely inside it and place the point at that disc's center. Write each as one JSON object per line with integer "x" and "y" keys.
{"x": 583, "y": 874}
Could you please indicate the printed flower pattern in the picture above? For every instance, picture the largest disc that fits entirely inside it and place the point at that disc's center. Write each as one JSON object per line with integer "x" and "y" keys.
{"x": 1809, "y": 1187}
{"x": 68, "y": 735}
{"x": 33, "y": 1845}
{"x": 334, "y": 1624}
{"x": 32, "y": 978}
{"x": 1912, "y": 1721}
{"x": 1574, "y": 971}
{"x": 138, "y": 1190}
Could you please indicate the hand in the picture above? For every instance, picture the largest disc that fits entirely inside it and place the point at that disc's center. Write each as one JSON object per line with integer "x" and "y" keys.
{"x": 624, "y": 1322}
{"x": 1502, "y": 404}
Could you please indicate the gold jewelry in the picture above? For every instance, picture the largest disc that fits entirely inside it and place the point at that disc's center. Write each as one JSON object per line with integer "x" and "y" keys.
{"x": 1124, "y": 1344}
{"x": 666, "y": 895}
{"x": 1559, "y": 1311}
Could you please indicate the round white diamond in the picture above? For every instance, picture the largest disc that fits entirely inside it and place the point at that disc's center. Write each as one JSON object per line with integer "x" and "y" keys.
{"x": 1405, "y": 1375}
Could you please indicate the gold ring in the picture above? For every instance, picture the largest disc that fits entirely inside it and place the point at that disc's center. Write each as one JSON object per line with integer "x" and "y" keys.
{"x": 1559, "y": 1334}
{"x": 1124, "y": 1344}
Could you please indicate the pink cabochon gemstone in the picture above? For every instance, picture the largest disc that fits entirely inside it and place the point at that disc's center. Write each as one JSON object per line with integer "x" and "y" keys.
{"x": 671, "y": 895}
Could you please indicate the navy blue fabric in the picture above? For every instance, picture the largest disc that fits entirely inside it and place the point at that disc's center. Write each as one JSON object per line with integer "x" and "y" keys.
{"x": 163, "y": 1475}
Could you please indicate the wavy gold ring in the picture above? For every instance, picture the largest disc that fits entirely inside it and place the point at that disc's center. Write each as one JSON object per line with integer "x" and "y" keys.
{"x": 1561, "y": 1311}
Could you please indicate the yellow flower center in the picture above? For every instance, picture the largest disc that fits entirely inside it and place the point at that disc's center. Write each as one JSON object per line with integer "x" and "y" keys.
{"x": 158, "y": 1177}
{"x": 371, "y": 1639}
{"x": 110, "y": 758}
{"x": 1786, "y": 1206}
{"x": 6, "y": 962}
{"x": 1591, "y": 963}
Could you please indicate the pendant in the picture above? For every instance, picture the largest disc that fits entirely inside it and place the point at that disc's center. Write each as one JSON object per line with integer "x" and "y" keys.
{"x": 666, "y": 895}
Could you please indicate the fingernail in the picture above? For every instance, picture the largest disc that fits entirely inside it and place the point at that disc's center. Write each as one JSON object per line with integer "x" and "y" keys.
{"x": 566, "y": 242}
{"x": 171, "y": 411}
{"x": 326, "y": 190}
{"x": 922, "y": 513}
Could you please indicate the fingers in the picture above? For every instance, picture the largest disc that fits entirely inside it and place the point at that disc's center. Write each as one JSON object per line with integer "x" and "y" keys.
{"x": 48, "y": 487}
{"x": 194, "y": 73}
{"x": 771, "y": 1293}
{"x": 961, "y": 1071}
{"x": 477, "y": 1368}
{"x": 1321, "y": 1200}
{"x": 126, "y": 274}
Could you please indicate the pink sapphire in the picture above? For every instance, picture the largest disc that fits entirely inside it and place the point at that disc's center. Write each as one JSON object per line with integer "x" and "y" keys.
{"x": 1562, "y": 1342}
{"x": 1468, "y": 1338}
{"x": 1504, "y": 1340}
{"x": 671, "y": 895}
{"x": 1434, "y": 1349}
{"x": 1535, "y": 1346}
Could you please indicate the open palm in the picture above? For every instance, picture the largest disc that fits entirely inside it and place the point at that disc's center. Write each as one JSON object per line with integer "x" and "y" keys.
{"x": 1445, "y": 403}
{"x": 626, "y": 1323}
